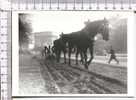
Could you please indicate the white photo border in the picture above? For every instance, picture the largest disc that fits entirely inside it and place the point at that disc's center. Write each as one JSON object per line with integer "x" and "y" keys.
{"x": 130, "y": 65}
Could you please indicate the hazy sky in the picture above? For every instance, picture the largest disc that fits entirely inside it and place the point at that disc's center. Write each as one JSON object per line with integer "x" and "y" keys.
{"x": 68, "y": 21}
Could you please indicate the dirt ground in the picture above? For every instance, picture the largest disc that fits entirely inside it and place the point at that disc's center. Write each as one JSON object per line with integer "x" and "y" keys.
{"x": 99, "y": 79}
{"x": 39, "y": 76}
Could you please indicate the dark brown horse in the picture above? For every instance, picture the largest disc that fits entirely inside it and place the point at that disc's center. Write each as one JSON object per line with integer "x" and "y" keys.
{"x": 58, "y": 47}
{"x": 84, "y": 39}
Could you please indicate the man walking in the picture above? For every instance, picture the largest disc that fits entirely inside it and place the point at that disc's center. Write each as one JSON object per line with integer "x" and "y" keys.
{"x": 112, "y": 56}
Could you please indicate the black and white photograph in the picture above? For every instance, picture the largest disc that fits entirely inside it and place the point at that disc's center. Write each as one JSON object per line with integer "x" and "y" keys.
{"x": 70, "y": 53}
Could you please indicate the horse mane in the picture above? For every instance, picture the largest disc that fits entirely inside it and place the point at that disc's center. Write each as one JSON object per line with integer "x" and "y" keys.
{"x": 72, "y": 34}
{"x": 91, "y": 29}
{"x": 93, "y": 25}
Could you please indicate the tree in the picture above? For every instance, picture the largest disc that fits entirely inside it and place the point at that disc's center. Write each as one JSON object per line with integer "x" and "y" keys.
{"x": 118, "y": 38}
{"x": 24, "y": 29}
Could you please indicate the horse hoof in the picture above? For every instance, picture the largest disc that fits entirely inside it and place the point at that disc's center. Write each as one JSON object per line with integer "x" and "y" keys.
{"x": 64, "y": 63}
{"x": 86, "y": 66}
{"x": 87, "y": 63}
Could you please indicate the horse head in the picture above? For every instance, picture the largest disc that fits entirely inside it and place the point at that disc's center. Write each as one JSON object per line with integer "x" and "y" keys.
{"x": 104, "y": 29}
{"x": 93, "y": 28}
{"x": 64, "y": 38}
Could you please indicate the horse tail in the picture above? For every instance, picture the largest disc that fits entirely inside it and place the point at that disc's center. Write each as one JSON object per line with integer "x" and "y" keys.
{"x": 53, "y": 49}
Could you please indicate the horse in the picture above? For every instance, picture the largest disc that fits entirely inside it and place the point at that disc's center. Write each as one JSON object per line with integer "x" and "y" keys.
{"x": 79, "y": 41}
{"x": 58, "y": 47}
{"x": 84, "y": 39}
{"x": 82, "y": 48}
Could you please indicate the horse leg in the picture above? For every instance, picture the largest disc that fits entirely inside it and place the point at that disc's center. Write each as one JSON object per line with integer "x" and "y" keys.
{"x": 91, "y": 54}
{"x": 58, "y": 56}
{"x": 64, "y": 57}
{"x": 56, "y": 53}
{"x": 82, "y": 58}
{"x": 69, "y": 54}
{"x": 77, "y": 56}
{"x": 85, "y": 58}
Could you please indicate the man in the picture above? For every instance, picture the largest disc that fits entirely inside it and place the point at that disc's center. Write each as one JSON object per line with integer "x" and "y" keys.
{"x": 50, "y": 55}
{"x": 44, "y": 51}
{"x": 112, "y": 56}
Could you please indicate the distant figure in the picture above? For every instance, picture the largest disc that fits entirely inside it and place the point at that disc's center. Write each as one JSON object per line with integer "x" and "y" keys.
{"x": 49, "y": 49}
{"x": 112, "y": 56}
{"x": 105, "y": 52}
{"x": 44, "y": 51}
{"x": 50, "y": 55}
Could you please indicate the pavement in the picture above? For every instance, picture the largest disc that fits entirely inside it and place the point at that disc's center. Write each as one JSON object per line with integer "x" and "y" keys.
{"x": 105, "y": 59}
{"x": 30, "y": 78}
